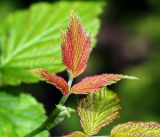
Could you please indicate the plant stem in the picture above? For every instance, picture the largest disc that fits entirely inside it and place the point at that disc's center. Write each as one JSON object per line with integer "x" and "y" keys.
{"x": 35, "y": 132}
{"x": 70, "y": 80}
{"x": 47, "y": 124}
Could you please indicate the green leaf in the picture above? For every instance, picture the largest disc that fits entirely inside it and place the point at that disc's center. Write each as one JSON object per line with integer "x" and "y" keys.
{"x": 19, "y": 114}
{"x": 136, "y": 129}
{"x": 76, "y": 134}
{"x": 64, "y": 112}
{"x": 98, "y": 110}
{"x": 32, "y": 38}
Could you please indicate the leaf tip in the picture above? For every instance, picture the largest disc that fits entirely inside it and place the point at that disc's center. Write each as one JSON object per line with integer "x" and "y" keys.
{"x": 38, "y": 71}
{"x": 130, "y": 77}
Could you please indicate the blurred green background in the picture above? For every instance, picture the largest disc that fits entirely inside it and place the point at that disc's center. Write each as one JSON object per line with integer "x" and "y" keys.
{"x": 128, "y": 43}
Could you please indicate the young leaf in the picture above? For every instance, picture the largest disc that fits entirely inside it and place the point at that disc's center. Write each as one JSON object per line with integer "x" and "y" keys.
{"x": 136, "y": 129}
{"x": 64, "y": 112}
{"x": 31, "y": 39}
{"x": 94, "y": 83}
{"x": 59, "y": 82}
{"x": 98, "y": 110}
{"x": 76, "y": 134}
{"x": 19, "y": 114}
{"x": 76, "y": 47}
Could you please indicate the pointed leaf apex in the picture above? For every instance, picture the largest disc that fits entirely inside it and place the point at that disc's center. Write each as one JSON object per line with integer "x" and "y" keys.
{"x": 130, "y": 77}
{"x": 38, "y": 71}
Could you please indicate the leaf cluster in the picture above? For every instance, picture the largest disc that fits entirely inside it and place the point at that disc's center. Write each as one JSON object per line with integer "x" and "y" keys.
{"x": 31, "y": 39}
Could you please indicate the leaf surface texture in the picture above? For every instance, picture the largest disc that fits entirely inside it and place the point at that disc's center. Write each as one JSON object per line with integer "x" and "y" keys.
{"x": 136, "y": 129}
{"x": 32, "y": 38}
{"x": 19, "y": 115}
{"x": 98, "y": 110}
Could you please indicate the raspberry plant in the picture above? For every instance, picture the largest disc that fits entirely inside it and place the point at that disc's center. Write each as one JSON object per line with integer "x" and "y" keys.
{"x": 32, "y": 49}
{"x": 101, "y": 106}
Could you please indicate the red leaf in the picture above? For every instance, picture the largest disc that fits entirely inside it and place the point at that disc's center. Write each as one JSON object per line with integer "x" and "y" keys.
{"x": 59, "y": 82}
{"x": 76, "y": 47}
{"x": 94, "y": 83}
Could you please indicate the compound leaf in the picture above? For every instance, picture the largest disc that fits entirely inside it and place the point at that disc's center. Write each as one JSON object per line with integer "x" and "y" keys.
{"x": 32, "y": 38}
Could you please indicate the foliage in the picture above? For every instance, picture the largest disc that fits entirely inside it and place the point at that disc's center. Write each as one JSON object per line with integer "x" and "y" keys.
{"x": 87, "y": 85}
{"x": 98, "y": 110}
{"x": 31, "y": 39}
{"x": 19, "y": 114}
{"x": 138, "y": 129}
{"x": 76, "y": 48}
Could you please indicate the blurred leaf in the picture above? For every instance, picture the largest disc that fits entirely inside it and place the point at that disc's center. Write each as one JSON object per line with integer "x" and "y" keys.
{"x": 98, "y": 110}
{"x": 136, "y": 129}
{"x": 31, "y": 38}
{"x": 76, "y": 134}
{"x": 19, "y": 115}
{"x": 147, "y": 88}
{"x": 64, "y": 112}
{"x": 154, "y": 5}
{"x": 13, "y": 76}
{"x": 7, "y": 7}
{"x": 147, "y": 27}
